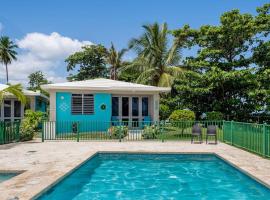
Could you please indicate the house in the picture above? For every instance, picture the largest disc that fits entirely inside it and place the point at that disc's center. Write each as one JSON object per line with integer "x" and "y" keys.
{"x": 11, "y": 108}
{"x": 103, "y": 100}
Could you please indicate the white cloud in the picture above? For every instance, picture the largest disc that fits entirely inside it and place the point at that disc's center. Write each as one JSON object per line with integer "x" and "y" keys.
{"x": 43, "y": 52}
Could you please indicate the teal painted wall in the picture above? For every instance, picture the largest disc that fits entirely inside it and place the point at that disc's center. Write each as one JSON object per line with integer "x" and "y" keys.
{"x": 99, "y": 121}
{"x": 40, "y": 104}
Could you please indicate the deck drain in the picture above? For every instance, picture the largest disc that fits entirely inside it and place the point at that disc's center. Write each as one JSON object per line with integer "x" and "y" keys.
{"x": 31, "y": 151}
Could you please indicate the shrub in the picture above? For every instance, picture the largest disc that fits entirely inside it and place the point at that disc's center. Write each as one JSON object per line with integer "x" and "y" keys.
{"x": 118, "y": 132}
{"x": 164, "y": 112}
{"x": 29, "y": 124}
{"x": 182, "y": 115}
{"x": 150, "y": 132}
{"x": 214, "y": 115}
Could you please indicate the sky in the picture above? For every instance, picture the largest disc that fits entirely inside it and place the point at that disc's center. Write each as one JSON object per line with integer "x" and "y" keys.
{"x": 48, "y": 31}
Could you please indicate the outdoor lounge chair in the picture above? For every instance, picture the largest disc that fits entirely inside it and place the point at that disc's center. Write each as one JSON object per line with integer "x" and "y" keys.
{"x": 211, "y": 131}
{"x": 196, "y": 132}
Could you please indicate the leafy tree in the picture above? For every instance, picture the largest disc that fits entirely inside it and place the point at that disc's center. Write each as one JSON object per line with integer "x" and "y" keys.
{"x": 221, "y": 75}
{"x": 91, "y": 63}
{"x": 7, "y": 52}
{"x": 15, "y": 90}
{"x": 261, "y": 56}
{"x": 157, "y": 66}
{"x": 36, "y": 79}
{"x": 114, "y": 59}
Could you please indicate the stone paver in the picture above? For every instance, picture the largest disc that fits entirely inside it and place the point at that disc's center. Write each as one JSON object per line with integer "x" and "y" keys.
{"x": 45, "y": 163}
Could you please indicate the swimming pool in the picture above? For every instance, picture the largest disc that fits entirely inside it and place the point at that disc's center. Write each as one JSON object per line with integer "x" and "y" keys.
{"x": 156, "y": 176}
{"x": 7, "y": 175}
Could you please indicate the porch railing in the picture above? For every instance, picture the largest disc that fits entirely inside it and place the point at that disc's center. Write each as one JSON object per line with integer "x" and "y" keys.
{"x": 9, "y": 132}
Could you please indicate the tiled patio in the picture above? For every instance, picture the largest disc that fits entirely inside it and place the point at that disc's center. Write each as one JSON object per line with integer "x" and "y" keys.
{"x": 44, "y": 163}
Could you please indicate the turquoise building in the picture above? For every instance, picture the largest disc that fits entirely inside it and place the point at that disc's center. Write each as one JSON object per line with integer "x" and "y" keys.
{"x": 99, "y": 104}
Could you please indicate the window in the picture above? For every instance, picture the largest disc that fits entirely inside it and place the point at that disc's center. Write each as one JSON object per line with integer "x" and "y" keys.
{"x": 135, "y": 106}
{"x": 145, "y": 106}
{"x": 82, "y": 104}
{"x": 125, "y": 106}
{"x": 17, "y": 109}
{"x": 115, "y": 106}
{"x": 7, "y": 108}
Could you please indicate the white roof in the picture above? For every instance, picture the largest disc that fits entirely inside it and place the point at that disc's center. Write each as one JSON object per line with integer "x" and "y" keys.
{"x": 101, "y": 84}
{"x": 3, "y": 86}
{"x": 26, "y": 92}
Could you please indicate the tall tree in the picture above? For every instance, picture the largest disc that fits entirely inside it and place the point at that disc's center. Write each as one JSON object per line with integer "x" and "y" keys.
{"x": 222, "y": 74}
{"x": 90, "y": 62}
{"x": 157, "y": 66}
{"x": 36, "y": 79}
{"x": 7, "y": 52}
{"x": 114, "y": 59}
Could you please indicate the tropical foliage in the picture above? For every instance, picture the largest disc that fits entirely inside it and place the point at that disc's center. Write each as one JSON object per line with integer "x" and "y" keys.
{"x": 182, "y": 115}
{"x": 157, "y": 63}
{"x": 7, "y": 52}
{"x": 36, "y": 79}
{"x": 228, "y": 74}
{"x": 114, "y": 59}
{"x": 15, "y": 90}
{"x": 29, "y": 124}
{"x": 89, "y": 63}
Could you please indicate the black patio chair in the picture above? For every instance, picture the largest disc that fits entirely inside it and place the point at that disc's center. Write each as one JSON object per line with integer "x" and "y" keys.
{"x": 196, "y": 132}
{"x": 211, "y": 132}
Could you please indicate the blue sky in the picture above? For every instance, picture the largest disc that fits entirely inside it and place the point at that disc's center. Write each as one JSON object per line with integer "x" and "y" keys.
{"x": 96, "y": 21}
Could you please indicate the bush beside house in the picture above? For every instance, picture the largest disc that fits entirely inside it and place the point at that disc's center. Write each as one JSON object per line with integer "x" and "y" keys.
{"x": 182, "y": 115}
{"x": 29, "y": 124}
{"x": 214, "y": 115}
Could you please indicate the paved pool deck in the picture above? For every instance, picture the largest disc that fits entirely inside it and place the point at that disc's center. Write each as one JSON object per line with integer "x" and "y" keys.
{"x": 45, "y": 163}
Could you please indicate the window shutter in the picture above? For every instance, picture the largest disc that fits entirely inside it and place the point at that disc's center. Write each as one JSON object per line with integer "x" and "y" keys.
{"x": 76, "y": 104}
{"x": 88, "y": 104}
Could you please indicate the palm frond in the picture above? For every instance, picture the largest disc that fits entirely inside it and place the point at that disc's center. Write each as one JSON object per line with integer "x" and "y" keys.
{"x": 165, "y": 80}
{"x": 15, "y": 90}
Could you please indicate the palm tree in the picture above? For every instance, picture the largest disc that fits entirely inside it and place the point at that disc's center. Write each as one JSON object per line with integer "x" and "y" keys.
{"x": 7, "y": 52}
{"x": 15, "y": 90}
{"x": 115, "y": 61}
{"x": 158, "y": 64}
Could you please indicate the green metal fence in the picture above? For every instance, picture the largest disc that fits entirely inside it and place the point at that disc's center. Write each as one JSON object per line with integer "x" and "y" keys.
{"x": 9, "y": 132}
{"x": 249, "y": 136}
{"x": 125, "y": 131}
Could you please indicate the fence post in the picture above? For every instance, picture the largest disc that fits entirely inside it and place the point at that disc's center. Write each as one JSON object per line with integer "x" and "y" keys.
{"x": 162, "y": 129}
{"x": 78, "y": 132}
{"x": 264, "y": 139}
{"x": 120, "y": 132}
{"x": 232, "y": 132}
{"x": 42, "y": 131}
{"x": 17, "y": 125}
{"x": 223, "y": 122}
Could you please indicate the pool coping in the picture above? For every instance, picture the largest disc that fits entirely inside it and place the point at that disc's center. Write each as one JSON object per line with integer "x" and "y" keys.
{"x": 46, "y": 189}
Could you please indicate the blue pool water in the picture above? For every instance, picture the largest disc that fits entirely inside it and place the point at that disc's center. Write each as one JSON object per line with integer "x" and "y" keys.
{"x": 6, "y": 176}
{"x": 156, "y": 176}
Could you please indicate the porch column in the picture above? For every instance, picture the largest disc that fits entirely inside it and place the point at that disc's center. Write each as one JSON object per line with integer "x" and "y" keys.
{"x": 156, "y": 107}
{"x": 52, "y": 106}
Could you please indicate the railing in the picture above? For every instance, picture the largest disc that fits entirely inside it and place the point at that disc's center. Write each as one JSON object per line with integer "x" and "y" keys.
{"x": 125, "y": 131}
{"x": 249, "y": 136}
{"x": 9, "y": 132}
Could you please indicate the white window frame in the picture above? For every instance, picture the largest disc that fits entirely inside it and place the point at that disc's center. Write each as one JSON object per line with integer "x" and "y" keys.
{"x": 11, "y": 118}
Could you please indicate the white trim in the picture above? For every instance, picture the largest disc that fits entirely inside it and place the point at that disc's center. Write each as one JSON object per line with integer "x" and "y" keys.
{"x": 105, "y": 85}
{"x": 12, "y": 117}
